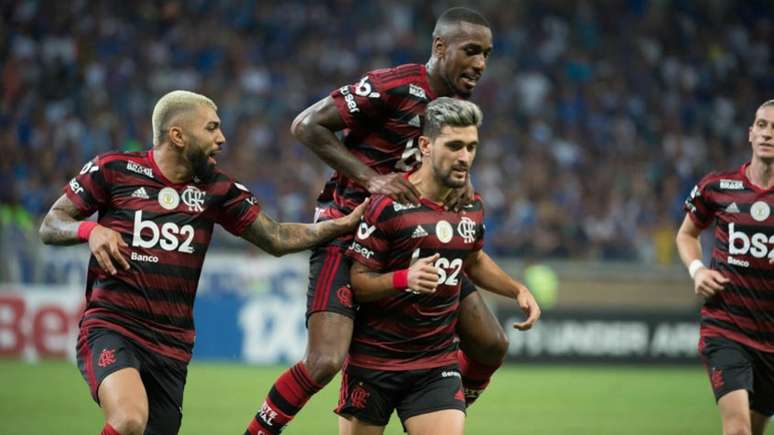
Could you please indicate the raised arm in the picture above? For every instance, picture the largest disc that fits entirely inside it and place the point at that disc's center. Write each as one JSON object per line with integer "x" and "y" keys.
{"x": 280, "y": 238}
{"x": 316, "y": 128}
{"x": 706, "y": 281}
{"x": 369, "y": 285}
{"x": 485, "y": 273}
{"x": 62, "y": 226}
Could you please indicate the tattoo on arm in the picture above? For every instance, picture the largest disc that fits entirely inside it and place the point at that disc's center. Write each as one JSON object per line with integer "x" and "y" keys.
{"x": 283, "y": 238}
{"x": 60, "y": 225}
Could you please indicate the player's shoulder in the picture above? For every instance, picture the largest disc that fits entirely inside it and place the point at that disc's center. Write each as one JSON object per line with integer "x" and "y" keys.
{"x": 477, "y": 204}
{"x": 723, "y": 180}
{"x": 378, "y": 205}
{"x": 221, "y": 182}
{"x": 113, "y": 156}
{"x": 398, "y": 77}
{"x": 116, "y": 160}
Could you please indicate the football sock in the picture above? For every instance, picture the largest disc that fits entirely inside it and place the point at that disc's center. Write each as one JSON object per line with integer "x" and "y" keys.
{"x": 108, "y": 430}
{"x": 475, "y": 376}
{"x": 286, "y": 397}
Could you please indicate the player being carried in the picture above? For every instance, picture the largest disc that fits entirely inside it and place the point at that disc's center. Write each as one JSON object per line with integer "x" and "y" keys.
{"x": 381, "y": 117}
{"x": 156, "y": 211}
{"x": 737, "y": 319}
{"x": 409, "y": 262}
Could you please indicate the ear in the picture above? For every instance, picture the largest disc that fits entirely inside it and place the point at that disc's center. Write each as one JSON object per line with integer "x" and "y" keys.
{"x": 439, "y": 47}
{"x": 424, "y": 145}
{"x": 176, "y": 136}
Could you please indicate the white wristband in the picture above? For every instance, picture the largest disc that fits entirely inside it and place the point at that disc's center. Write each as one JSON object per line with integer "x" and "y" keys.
{"x": 694, "y": 267}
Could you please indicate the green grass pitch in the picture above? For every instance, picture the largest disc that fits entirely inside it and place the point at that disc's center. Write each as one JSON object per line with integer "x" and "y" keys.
{"x": 51, "y": 397}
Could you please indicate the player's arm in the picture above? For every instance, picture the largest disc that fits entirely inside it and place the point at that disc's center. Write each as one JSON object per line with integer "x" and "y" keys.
{"x": 63, "y": 226}
{"x": 369, "y": 285}
{"x": 485, "y": 273}
{"x": 706, "y": 282}
{"x": 316, "y": 128}
{"x": 280, "y": 238}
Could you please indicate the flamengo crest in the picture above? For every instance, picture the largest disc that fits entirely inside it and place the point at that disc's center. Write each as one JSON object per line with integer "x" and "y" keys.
{"x": 193, "y": 198}
{"x": 467, "y": 230}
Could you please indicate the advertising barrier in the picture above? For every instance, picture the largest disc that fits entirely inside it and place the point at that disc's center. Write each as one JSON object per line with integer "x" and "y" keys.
{"x": 605, "y": 336}
{"x": 252, "y": 309}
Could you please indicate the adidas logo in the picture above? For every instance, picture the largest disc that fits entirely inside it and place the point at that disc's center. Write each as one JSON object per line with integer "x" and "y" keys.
{"x": 418, "y": 232}
{"x": 140, "y": 193}
{"x": 732, "y": 208}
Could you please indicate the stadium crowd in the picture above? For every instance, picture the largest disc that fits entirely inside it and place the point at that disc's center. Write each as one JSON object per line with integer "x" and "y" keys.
{"x": 598, "y": 116}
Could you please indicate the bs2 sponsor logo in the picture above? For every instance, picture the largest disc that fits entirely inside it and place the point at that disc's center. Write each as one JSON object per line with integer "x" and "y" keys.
{"x": 757, "y": 244}
{"x": 166, "y": 236}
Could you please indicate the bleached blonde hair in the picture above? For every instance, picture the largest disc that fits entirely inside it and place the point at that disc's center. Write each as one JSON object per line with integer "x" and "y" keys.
{"x": 171, "y": 105}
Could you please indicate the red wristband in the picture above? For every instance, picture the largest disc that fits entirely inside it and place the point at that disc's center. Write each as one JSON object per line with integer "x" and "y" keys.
{"x": 400, "y": 279}
{"x": 85, "y": 229}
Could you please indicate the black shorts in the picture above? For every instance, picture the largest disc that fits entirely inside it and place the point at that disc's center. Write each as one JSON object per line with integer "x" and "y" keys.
{"x": 102, "y": 351}
{"x": 371, "y": 395}
{"x": 329, "y": 288}
{"x": 733, "y": 366}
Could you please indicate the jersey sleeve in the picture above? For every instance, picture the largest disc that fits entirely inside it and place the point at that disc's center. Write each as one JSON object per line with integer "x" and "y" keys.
{"x": 361, "y": 103}
{"x": 89, "y": 190}
{"x": 239, "y": 209}
{"x": 371, "y": 245}
{"x": 699, "y": 205}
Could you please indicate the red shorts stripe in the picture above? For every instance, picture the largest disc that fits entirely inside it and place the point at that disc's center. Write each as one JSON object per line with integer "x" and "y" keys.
{"x": 319, "y": 302}
{"x": 329, "y": 279}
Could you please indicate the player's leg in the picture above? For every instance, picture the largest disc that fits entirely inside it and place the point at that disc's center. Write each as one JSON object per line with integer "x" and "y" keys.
{"x": 435, "y": 403}
{"x": 367, "y": 399}
{"x": 483, "y": 342}
{"x": 164, "y": 381}
{"x": 446, "y": 422}
{"x": 762, "y": 397}
{"x": 730, "y": 369}
{"x": 734, "y": 410}
{"x": 111, "y": 369}
{"x": 355, "y": 426}
{"x": 759, "y": 422}
{"x": 330, "y": 314}
{"x": 124, "y": 402}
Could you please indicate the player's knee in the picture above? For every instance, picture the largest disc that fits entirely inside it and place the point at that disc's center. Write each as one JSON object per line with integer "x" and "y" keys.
{"x": 130, "y": 423}
{"x": 737, "y": 426}
{"x": 323, "y": 366}
{"x": 494, "y": 349}
{"x": 499, "y": 347}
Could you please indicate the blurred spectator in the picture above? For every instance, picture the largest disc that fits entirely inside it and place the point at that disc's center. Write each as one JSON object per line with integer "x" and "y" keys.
{"x": 600, "y": 116}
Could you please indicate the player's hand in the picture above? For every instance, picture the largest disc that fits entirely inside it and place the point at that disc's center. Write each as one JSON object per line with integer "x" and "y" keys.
{"x": 708, "y": 282}
{"x": 460, "y": 197}
{"x": 530, "y": 307}
{"x": 351, "y": 220}
{"x": 423, "y": 276}
{"x": 395, "y": 186}
{"x": 104, "y": 243}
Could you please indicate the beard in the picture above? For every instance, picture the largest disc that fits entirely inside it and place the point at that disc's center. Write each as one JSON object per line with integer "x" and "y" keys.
{"x": 200, "y": 164}
{"x": 449, "y": 181}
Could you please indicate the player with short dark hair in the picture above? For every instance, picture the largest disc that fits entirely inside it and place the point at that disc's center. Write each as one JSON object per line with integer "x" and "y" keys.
{"x": 407, "y": 274}
{"x": 737, "y": 319}
{"x": 156, "y": 212}
{"x": 381, "y": 117}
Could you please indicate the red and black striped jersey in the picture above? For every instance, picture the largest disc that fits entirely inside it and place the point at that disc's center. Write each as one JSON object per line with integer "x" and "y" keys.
{"x": 744, "y": 244}
{"x": 167, "y": 228}
{"x": 408, "y": 331}
{"x": 382, "y": 113}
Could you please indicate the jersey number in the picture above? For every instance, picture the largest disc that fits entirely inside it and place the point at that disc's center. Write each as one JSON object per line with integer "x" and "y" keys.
{"x": 409, "y": 158}
{"x": 443, "y": 264}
